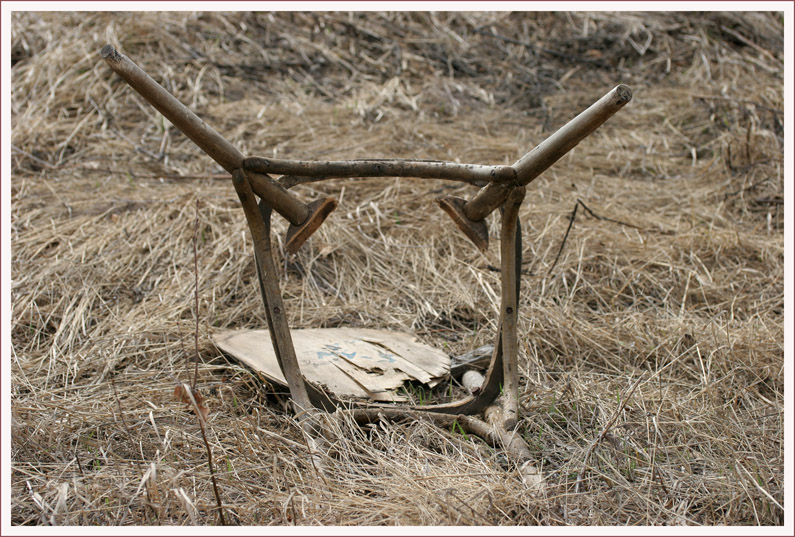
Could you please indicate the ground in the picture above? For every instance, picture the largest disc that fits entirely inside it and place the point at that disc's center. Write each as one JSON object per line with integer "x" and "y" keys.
{"x": 651, "y": 312}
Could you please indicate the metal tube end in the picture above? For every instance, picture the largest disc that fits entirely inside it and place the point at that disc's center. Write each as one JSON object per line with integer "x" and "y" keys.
{"x": 623, "y": 94}
{"x": 108, "y": 51}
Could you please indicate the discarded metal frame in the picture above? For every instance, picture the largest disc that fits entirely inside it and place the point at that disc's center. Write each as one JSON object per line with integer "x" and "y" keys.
{"x": 502, "y": 187}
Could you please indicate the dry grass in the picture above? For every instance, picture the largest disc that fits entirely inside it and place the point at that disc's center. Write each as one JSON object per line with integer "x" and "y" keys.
{"x": 688, "y": 297}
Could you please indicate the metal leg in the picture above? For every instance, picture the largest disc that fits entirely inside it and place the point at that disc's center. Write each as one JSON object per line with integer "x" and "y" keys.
{"x": 277, "y": 320}
{"x": 509, "y": 265}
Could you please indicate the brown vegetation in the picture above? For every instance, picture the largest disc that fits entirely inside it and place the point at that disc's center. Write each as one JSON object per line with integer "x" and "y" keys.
{"x": 651, "y": 347}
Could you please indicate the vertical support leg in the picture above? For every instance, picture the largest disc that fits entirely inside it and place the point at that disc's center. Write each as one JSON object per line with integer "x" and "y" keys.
{"x": 509, "y": 270}
{"x": 277, "y": 321}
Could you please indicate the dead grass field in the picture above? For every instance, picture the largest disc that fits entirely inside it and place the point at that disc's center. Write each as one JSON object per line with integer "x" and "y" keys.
{"x": 678, "y": 287}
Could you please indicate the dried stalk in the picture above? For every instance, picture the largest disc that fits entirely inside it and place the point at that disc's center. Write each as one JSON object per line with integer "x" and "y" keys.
{"x": 191, "y": 390}
{"x": 200, "y": 416}
{"x": 196, "y": 298}
{"x": 603, "y": 433}
{"x": 573, "y": 214}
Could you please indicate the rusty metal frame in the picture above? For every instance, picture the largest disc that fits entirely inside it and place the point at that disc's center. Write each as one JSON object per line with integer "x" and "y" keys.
{"x": 503, "y": 187}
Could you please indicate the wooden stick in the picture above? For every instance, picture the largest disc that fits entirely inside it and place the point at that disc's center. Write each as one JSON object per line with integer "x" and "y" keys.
{"x": 472, "y": 381}
{"x": 516, "y": 447}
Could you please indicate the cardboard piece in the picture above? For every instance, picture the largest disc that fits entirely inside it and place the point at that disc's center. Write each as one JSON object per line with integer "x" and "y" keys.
{"x": 349, "y": 362}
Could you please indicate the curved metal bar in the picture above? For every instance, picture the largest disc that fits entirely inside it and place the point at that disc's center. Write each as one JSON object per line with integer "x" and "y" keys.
{"x": 426, "y": 169}
{"x": 204, "y": 136}
{"x": 289, "y": 181}
{"x": 272, "y": 298}
{"x": 548, "y": 152}
{"x": 317, "y": 397}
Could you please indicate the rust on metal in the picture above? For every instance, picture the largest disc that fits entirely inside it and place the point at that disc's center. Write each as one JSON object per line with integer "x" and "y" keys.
{"x": 318, "y": 211}
{"x": 477, "y": 232}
